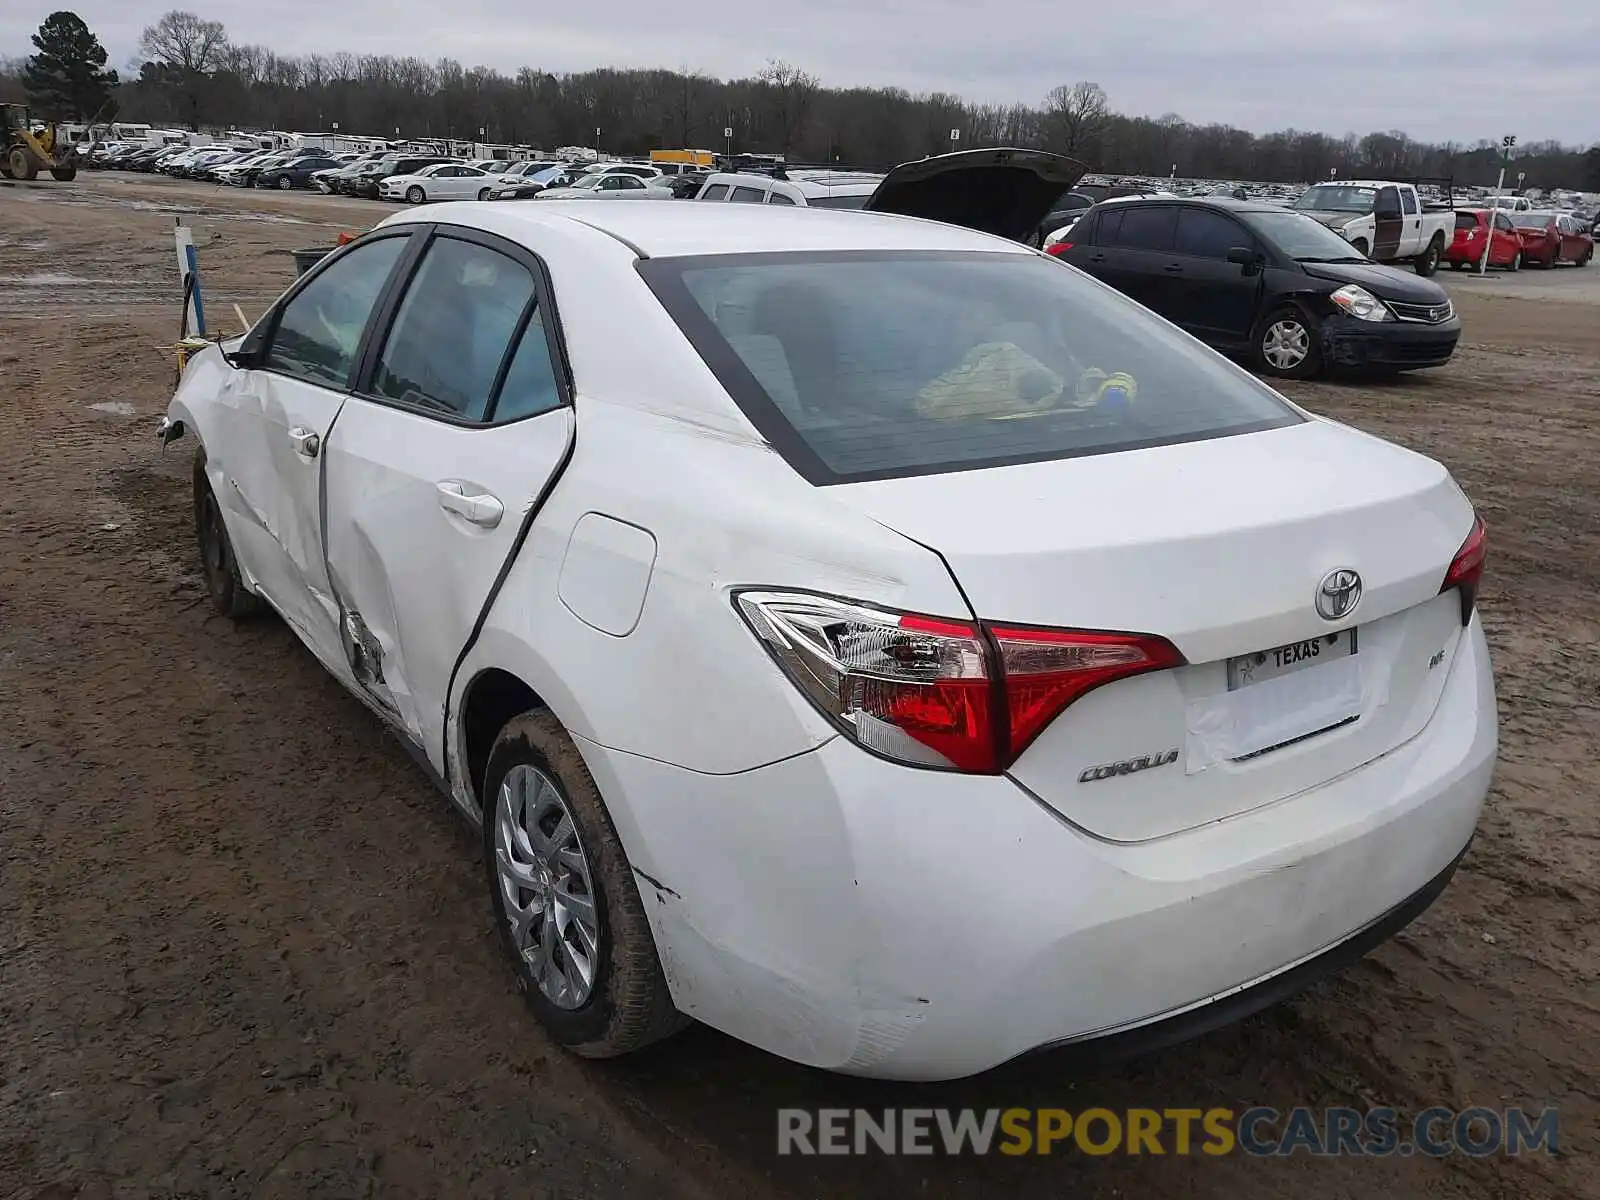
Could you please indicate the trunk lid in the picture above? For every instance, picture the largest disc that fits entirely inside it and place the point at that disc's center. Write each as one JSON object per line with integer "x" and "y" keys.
{"x": 1221, "y": 547}
{"x": 1003, "y": 191}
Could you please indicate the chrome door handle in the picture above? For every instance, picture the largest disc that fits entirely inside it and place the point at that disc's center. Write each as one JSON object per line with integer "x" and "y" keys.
{"x": 481, "y": 509}
{"x": 305, "y": 443}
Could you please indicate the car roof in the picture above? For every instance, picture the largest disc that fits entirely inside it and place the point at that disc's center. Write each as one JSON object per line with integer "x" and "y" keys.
{"x": 675, "y": 230}
{"x": 1225, "y": 202}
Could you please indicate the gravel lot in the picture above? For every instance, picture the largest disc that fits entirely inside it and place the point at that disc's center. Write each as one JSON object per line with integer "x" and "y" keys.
{"x": 246, "y": 951}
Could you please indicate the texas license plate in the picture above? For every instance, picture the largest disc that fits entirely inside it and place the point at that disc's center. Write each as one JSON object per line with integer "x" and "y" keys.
{"x": 1263, "y": 665}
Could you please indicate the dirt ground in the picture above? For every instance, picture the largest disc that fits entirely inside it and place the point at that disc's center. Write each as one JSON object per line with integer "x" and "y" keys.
{"x": 246, "y": 951}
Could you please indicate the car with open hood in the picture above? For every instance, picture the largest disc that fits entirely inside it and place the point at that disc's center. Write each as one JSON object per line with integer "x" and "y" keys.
{"x": 1258, "y": 280}
{"x": 790, "y": 598}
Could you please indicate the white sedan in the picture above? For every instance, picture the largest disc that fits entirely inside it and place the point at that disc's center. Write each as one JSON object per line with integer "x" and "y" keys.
{"x": 614, "y": 185}
{"x": 442, "y": 181}
{"x": 930, "y": 657}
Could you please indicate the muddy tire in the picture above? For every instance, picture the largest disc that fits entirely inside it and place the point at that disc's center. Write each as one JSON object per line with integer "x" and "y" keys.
{"x": 22, "y": 165}
{"x": 63, "y": 174}
{"x": 1287, "y": 345}
{"x": 218, "y": 565}
{"x": 575, "y": 870}
{"x": 1427, "y": 262}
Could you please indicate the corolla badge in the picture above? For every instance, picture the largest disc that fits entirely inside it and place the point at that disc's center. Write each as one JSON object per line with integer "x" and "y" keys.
{"x": 1338, "y": 594}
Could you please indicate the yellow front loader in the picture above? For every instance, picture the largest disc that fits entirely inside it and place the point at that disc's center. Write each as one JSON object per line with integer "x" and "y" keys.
{"x": 24, "y": 153}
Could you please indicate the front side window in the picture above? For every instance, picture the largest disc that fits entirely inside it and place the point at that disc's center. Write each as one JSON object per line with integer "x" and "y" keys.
{"x": 867, "y": 365}
{"x": 453, "y": 329}
{"x": 320, "y": 330}
{"x": 1206, "y": 234}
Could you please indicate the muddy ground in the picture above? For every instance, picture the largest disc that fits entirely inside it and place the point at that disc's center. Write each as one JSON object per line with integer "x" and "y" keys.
{"x": 246, "y": 951}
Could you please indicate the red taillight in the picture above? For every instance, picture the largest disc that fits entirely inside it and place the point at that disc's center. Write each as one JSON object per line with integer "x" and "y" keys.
{"x": 934, "y": 692}
{"x": 1466, "y": 568}
{"x": 1059, "y": 248}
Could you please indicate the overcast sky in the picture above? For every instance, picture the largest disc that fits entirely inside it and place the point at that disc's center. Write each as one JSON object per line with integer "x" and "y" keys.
{"x": 1438, "y": 69}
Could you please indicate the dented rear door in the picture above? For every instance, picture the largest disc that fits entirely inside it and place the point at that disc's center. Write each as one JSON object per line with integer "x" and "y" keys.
{"x": 435, "y": 467}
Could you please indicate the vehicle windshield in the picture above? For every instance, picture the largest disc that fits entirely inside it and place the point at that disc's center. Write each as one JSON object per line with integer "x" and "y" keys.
{"x": 870, "y": 365}
{"x": 1337, "y": 197}
{"x": 1301, "y": 238}
{"x": 1532, "y": 220}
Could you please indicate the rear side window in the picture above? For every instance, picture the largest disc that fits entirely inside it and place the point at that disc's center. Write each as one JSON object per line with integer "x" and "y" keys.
{"x": 748, "y": 195}
{"x": 1205, "y": 234}
{"x": 1143, "y": 228}
{"x": 1408, "y": 200}
{"x": 871, "y": 365}
{"x": 778, "y": 198}
{"x": 444, "y": 351}
{"x": 717, "y": 191}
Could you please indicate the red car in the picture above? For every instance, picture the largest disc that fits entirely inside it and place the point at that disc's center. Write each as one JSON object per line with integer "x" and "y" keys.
{"x": 1473, "y": 226}
{"x": 1549, "y": 238}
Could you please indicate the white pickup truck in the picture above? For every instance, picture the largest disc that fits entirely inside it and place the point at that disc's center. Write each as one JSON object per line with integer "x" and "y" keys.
{"x": 1385, "y": 221}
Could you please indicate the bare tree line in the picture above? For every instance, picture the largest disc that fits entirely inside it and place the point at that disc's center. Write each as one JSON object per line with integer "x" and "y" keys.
{"x": 191, "y": 74}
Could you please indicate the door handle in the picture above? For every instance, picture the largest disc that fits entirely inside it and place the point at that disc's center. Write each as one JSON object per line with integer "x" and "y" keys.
{"x": 481, "y": 509}
{"x": 1173, "y": 269}
{"x": 305, "y": 443}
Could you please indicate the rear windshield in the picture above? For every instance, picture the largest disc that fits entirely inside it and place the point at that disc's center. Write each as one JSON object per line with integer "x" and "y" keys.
{"x": 1466, "y": 220}
{"x": 873, "y": 365}
{"x": 840, "y": 201}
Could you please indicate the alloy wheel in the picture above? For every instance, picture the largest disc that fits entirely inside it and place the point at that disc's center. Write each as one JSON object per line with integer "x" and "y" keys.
{"x": 547, "y": 886}
{"x": 1286, "y": 344}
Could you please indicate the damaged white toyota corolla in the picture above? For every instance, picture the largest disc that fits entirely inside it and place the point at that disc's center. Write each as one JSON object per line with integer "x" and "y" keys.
{"x": 864, "y": 635}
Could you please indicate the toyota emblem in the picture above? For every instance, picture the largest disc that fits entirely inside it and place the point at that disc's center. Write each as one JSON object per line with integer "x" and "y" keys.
{"x": 1338, "y": 594}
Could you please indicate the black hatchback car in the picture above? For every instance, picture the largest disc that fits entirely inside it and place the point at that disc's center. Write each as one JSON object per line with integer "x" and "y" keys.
{"x": 1255, "y": 279}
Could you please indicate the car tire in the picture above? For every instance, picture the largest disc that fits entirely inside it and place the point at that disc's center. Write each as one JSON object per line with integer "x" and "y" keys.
{"x": 536, "y": 778}
{"x": 1276, "y": 343}
{"x": 1587, "y": 255}
{"x": 285, "y": 183}
{"x": 1427, "y": 263}
{"x": 483, "y": 193}
{"x": 1360, "y": 246}
{"x": 218, "y": 566}
{"x": 415, "y": 194}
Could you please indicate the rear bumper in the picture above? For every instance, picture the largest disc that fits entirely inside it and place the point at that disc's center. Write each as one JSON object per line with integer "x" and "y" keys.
{"x": 855, "y": 915}
{"x": 1348, "y": 342}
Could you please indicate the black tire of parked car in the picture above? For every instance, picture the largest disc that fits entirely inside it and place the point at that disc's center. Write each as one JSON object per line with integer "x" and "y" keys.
{"x": 1587, "y": 255}
{"x": 483, "y": 193}
{"x": 285, "y": 183}
{"x": 1427, "y": 262}
{"x": 1310, "y": 365}
{"x": 218, "y": 565}
{"x": 630, "y": 1006}
{"x": 415, "y": 194}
